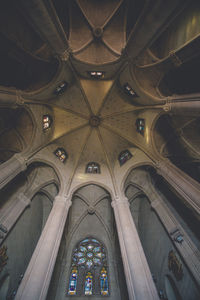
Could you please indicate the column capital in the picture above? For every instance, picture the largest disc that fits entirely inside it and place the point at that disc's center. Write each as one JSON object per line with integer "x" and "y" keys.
{"x": 161, "y": 164}
{"x": 155, "y": 203}
{"x": 120, "y": 200}
{"x": 63, "y": 199}
{"x": 24, "y": 199}
{"x": 168, "y": 105}
{"x": 22, "y": 160}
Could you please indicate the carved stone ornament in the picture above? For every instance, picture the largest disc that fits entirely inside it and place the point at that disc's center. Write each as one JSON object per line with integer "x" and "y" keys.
{"x": 175, "y": 266}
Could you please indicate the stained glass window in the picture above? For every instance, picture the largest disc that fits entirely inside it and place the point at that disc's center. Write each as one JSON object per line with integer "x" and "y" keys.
{"x": 104, "y": 282}
{"x": 93, "y": 168}
{"x": 124, "y": 156}
{"x": 89, "y": 275}
{"x": 47, "y": 120}
{"x": 88, "y": 284}
{"x": 73, "y": 281}
{"x": 128, "y": 90}
{"x": 61, "y": 154}
{"x": 96, "y": 74}
{"x": 140, "y": 126}
{"x": 61, "y": 88}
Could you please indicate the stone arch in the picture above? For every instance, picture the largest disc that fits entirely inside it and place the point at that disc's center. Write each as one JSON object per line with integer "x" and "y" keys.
{"x": 91, "y": 204}
{"x": 14, "y": 136}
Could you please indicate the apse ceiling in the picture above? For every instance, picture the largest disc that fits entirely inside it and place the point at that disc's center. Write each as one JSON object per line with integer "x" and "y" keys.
{"x": 95, "y": 117}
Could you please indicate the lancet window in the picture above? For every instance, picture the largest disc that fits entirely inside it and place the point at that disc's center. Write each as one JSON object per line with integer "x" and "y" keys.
{"x": 93, "y": 168}
{"x": 140, "y": 126}
{"x": 89, "y": 270}
{"x": 128, "y": 90}
{"x": 47, "y": 121}
{"x": 61, "y": 88}
{"x": 124, "y": 156}
{"x": 96, "y": 74}
{"x": 61, "y": 154}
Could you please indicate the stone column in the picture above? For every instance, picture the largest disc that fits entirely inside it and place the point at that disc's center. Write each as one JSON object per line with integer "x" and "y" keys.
{"x": 11, "y": 168}
{"x": 11, "y": 213}
{"x": 138, "y": 276}
{"x": 35, "y": 283}
{"x": 156, "y": 16}
{"x": 184, "y": 105}
{"x": 43, "y": 17}
{"x": 183, "y": 184}
{"x": 186, "y": 247}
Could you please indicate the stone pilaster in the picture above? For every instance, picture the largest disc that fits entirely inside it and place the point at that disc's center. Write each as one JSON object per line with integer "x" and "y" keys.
{"x": 138, "y": 277}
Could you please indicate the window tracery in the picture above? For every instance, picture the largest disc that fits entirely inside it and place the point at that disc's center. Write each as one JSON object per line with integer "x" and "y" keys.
{"x": 124, "y": 156}
{"x": 93, "y": 168}
{"x": 89, "y": 272}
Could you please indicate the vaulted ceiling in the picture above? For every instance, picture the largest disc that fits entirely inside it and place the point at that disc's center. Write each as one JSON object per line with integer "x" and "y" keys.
{"x": 45, "y": 44}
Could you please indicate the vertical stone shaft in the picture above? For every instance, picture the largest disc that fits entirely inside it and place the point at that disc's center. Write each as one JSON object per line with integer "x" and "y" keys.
{"x": 11, "y": 168}
{"x": 183, "y": 184}
{"x": 138, "y": 277}
{"x": 46, "y": 23}
{"x": 35, "y": 283}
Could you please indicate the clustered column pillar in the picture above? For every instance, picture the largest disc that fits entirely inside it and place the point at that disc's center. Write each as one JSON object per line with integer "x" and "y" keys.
{"x": 35, "y": 283}
{"x": 138, "y": 277}
{"x": 11, "y": 168}
{"x": 188, "y": 105}
{"x": 10, "y": 215}
{"x": 184, "y": 185}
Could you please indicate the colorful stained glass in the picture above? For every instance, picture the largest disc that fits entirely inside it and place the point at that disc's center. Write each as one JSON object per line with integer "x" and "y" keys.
{"x": 89, "y": 254}
{"x": 73, "y": 282}
{"x": 96, "y": 261}
{"x": 104, "y": 282}
{"x": 88, "y": 284}
{"x": 97, "y": 249}
{"x": 89, "y": 263}
{"x": 95, "y": 241}
{"x": 83, "y": 249}
{"x": 80, "y": 254}
{"x": 90, "y": 247}
{"x": 81, "y": 261}
{"x": 85, "y": 241}
{"x": 101, "y": 255}
{"x": 124, "y": 156}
